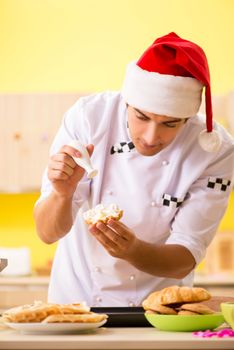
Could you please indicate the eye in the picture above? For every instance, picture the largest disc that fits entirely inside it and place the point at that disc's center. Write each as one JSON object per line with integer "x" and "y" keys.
{"x": 141, "y": 117}
{"x": 170, "y": 125}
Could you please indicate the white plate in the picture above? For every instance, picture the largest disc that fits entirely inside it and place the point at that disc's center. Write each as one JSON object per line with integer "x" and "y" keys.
{"x": 54, "y": 328}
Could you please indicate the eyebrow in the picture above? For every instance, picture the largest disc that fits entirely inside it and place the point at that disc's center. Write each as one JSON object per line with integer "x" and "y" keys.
{"x": 167, "y": 121}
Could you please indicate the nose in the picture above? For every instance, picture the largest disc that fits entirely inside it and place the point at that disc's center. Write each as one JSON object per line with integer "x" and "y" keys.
{"x": 152, "y": 134}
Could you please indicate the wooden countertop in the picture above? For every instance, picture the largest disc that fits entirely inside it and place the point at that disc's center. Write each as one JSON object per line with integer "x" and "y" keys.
{"x": 113, "y": 338}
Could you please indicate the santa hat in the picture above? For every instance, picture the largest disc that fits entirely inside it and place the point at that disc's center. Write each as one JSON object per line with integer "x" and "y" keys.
{"x": 168, "y": 79}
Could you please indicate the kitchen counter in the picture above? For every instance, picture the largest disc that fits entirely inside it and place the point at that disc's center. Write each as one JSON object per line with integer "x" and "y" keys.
{"x": 221, "y": 279}
{"x": 113, "y": 338}
{"x": 199, "y": 279}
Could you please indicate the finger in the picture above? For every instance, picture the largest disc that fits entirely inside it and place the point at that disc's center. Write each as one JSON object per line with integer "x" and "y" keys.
{"x": 73, "y": 152}
{"x": 55, "y": 175}
{"x": 119, "y": 227}
{"x": 64, "y": 158}
{"x": 102, "y": 238}
{"x": 70, "y": 151}
{"x": 60, "y": 166}
{"x": 112, "y": 235}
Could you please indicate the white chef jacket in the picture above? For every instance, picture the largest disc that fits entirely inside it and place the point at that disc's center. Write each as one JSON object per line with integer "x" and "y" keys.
{"x": 177, "y": 196}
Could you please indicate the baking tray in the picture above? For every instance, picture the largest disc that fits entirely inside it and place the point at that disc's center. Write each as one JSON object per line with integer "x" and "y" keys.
{"x": 123, "y": 316}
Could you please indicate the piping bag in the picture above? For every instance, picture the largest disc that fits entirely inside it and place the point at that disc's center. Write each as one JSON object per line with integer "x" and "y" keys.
{"x": 84, "y": 161}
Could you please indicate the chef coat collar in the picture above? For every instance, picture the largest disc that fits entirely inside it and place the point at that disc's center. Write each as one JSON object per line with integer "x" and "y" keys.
{"x": 124, "y": 146}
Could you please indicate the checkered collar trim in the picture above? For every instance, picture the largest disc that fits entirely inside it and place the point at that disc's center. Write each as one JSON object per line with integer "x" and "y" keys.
{"x": 123, "y": 147}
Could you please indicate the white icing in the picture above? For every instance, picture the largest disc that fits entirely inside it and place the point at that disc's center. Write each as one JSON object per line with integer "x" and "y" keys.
{"x": 101, "y": 212}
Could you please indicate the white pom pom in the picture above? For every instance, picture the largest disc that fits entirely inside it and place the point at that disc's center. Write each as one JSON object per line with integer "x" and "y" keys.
{"x": 210, "y": 141}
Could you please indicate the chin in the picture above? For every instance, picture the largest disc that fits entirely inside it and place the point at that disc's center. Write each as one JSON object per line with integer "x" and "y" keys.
{"x": 149, "y": 152}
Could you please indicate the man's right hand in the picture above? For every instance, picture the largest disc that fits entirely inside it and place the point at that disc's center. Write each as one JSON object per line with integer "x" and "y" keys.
{"x": 63, "y": 171}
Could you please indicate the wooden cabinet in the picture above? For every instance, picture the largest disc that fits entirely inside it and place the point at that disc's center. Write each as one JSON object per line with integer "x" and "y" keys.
{"x": 25, "y": 290}
{"x": 220, "y": 254}
{"x": 22, "y": 290}
{"x": 217, "y": 285}
{"x": 28, "y": 125}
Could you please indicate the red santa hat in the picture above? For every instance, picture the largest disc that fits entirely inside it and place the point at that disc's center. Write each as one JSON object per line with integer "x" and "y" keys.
{"x": 168, "y": 79}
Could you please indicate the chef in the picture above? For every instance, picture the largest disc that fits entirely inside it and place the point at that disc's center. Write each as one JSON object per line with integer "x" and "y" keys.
{"x": 167, "y": 167}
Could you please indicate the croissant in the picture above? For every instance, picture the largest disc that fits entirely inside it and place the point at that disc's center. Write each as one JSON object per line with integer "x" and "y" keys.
{"x": 175, "y": 295}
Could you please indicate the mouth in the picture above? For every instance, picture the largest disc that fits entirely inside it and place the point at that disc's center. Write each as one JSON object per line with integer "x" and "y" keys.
{"x": 147, "y": 146}
{"x": 148, "y": 150}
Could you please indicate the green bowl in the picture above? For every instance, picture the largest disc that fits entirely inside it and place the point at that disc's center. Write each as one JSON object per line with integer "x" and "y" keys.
{"x": 228, "y": 313}
{"x": 185, "y": 323}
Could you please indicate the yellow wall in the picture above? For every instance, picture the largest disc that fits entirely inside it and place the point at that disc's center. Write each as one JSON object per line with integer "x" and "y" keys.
{"x": 17, "y": 227}
{"x": 227, "y": 224}
{"x": 84, "y": 45}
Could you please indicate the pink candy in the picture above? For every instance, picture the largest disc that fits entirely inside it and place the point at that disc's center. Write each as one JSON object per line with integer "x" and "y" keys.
{"x": 223, "y": 333}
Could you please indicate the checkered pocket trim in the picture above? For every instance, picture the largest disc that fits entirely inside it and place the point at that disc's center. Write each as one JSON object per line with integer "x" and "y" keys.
{"x": 122, "y": 147}
{"x": 217, "y": 183}
{"x": 170, "y": 201}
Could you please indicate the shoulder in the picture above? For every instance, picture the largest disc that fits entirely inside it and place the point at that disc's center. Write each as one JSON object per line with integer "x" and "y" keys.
{"x": 91, "y": 114}
{"x": 94, "y": 107}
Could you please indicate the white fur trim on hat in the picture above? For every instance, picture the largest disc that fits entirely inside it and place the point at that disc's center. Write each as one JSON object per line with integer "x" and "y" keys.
{"x": 210, "y": 141}
{"x": 162, "y": 94}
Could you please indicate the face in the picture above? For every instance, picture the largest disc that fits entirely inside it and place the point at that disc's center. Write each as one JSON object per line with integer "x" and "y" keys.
{"x": 150, "y": 132}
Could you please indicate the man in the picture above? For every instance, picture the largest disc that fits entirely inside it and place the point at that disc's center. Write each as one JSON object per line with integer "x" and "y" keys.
{"x": 170, "y": 177}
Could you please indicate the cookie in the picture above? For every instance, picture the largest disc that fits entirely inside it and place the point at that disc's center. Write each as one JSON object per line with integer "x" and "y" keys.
{"x": 186, "y": 312}
{"x": 78, "y": 308}
{"x": 161, "y": 309}
{"x": 35, "y": 312}
{"x": 76, "y": 318}
{"x": 198, "y": 308}
{"x": 40, "y": 311}
{"x": 151, "y": 312}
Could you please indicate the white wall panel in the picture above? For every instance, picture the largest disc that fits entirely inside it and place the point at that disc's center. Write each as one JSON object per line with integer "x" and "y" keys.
{"x": 29, "y": 123}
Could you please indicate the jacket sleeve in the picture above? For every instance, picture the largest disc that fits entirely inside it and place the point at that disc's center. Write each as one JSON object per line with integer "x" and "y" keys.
{"x": 198, "y": 218}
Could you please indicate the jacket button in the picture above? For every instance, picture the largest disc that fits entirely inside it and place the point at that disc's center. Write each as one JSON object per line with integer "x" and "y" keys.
{"x": 132, "y": 277}
{"x": 109, "y": 192}
{"x": 165, "y": 162}
{"x": 131, "y": 304}
{"x": 97, "y": 269}
{"x": 153, "y": 204}
{"x": 98, "y": 299}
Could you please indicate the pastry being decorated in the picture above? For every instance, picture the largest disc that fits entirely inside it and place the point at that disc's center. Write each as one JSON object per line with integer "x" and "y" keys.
{"x": 102, "y": 213}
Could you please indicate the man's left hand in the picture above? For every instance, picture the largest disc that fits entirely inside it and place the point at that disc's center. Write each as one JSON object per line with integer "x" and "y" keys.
{"x": 116, "y": 238}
